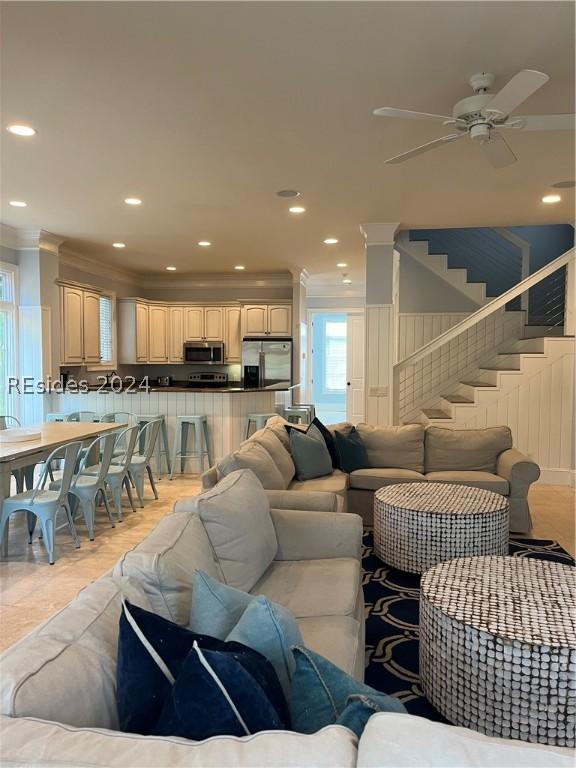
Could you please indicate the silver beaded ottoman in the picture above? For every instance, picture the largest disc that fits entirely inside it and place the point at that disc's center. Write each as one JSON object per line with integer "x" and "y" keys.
{"x": 498, "y": 646}
{"x": 417, "y": 525}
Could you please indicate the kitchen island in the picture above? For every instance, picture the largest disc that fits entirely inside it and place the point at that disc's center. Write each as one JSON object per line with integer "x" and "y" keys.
{"x": 226, "y": 408}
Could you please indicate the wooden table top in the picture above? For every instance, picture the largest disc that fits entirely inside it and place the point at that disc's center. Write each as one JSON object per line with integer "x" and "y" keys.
{"x": 53, "y": 434}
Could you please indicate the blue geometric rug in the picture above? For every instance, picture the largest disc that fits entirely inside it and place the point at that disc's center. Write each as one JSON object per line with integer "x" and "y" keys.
{"x": 392, "y": 609}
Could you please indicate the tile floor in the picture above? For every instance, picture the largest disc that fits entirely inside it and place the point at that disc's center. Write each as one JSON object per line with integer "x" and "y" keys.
{"x": 31, "y": 589}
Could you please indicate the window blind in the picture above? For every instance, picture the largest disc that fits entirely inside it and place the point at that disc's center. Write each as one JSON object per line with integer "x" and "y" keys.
{"x": 106, "y": 345}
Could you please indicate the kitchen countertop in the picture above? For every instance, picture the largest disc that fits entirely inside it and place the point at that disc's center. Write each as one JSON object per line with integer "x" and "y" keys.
{"x": 183, "y": 388}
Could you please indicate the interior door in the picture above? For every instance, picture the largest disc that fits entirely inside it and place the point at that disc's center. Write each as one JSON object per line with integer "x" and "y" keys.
{"x": 355, "y": 393}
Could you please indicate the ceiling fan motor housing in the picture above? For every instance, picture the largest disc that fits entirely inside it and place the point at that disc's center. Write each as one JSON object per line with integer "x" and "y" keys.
{"x": 471, "y": 110}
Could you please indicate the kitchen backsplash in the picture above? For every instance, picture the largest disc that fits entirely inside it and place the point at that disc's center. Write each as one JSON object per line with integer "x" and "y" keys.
{"x": 178, "y": 372}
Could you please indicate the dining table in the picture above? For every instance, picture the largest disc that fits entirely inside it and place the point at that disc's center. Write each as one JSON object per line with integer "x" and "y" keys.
{"x": 18, "y": 454}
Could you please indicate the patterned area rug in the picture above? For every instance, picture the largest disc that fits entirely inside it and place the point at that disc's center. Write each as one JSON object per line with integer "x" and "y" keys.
{"x": 392, "y": 605}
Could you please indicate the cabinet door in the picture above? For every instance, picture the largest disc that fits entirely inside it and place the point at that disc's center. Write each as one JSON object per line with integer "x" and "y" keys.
{"x": 71, "y": 318}
{"x": 141, "y": 333}
{"x": 232, "y": 335}
{"x": 91, "y": 327}
{"x": 213, "y": 324}
{"x": 158, "y": 334}
{"x": 279, "y": 320}
{"x": 255, "y": 320}
{"x": 176, "y": 334}
{"x": 193, "y": 323}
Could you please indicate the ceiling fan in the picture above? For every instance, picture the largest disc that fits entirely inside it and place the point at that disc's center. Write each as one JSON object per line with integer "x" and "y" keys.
{"x": 483, "y": 115}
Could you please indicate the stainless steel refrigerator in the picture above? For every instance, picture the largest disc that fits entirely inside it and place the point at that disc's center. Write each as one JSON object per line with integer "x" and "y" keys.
{"x": 267, "y": 363}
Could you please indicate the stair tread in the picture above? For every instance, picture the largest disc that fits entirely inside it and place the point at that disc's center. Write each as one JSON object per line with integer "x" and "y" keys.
{"x": 521, "y": 353}
{"x": 458, "y": 399}
{"x": 502, "y": 370}
{"x": 477, "y": 384}
{"x": 529, "y": 338}
{"x": 435, "y": 413}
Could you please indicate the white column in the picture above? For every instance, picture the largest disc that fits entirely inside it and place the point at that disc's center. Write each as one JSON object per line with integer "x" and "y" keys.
{"x": 299, "y": 331}
{"x": 382, "y": 313}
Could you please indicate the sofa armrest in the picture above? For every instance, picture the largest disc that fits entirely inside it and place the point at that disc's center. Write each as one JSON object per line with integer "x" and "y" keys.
{"x": 519, "y": 470}
{"x": 187, "y": 504}
{"x": 310, "y": 501}
{"x": 209, "y": 478}
{"x": 316, "y": 535}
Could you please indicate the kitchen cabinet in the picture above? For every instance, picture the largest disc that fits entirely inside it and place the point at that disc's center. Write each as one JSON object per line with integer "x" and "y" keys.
{"x": 157, "y": 334}
{"x": 273, "y": 320}
{"x": 79, "y": 325}
{"x": 141, "y": 328}
{"x": 176, "y": 334}
{"x": 193, "y": 324}
{"x": 232, "y": 335}
{"x": 204, "y": 324}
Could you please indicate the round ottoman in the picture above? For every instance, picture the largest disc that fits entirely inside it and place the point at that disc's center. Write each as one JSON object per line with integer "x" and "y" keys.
{"x": 498, "y": 646}
{"x": 417, "y": 525}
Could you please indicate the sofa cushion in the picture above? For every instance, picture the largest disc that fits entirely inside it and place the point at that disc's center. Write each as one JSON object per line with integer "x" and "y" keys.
{"x": 278, "y": 425}
{"x": 165, "y": 561}
{"x": 403, "y": 741}
{"x": 486, "y": 480}
{"x": 374, "y": 478}
{"x": 311, "y": 456}
{"x": 337, "y": 482}
{"x": 269, "y": 440}
{"x": 66, "y": 669}
{"x": 465, "y": 449}
{"x": 253, "y": 455}
{"x": 313, "y": 587}
{"x": 337, "y": 638}
{"x": 29, "y": 742}
{"x": 399, "y": 447}
{"x": 236, "y": 517}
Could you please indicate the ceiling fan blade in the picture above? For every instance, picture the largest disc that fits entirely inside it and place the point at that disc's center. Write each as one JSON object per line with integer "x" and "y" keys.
{"x": 408, "y": 113}
{"x": 516, "y": 90}
{"x": 497, "y": 152}
{"x": 424, "y": 148}
{"x": 541, "y": 122}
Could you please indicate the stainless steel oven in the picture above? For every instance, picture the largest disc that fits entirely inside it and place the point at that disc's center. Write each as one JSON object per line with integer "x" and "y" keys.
{"x": 204, "y": 352}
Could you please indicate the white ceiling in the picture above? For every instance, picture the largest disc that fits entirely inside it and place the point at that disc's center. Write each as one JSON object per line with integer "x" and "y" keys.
{"x": 205, "y": 110}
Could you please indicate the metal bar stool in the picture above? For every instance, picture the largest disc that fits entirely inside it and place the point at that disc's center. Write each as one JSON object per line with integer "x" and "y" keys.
{"x": 258, "y": 420}
{"x": 303, "y": 413}
{"x": 161, "y": 448}
{"x": 202, "y": 445}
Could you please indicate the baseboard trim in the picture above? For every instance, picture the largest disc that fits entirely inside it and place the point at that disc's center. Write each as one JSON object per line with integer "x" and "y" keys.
{"x": 558, "y": 477}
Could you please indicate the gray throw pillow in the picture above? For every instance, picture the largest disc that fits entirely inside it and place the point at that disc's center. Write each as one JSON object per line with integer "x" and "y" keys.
{"x": 310, "y": 454}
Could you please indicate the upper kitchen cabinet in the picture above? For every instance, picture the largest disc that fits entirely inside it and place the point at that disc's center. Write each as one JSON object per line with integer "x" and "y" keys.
{"x": 157, "y": 334}
{"x": 176, "y": 334}
{"x": 204, "y": 323}
{"x": 273, "y": 320}
{"x": 79, "y": 325}
{"x": 133, "y": 331}
{"x": 232, "y": 335}
{"x": 193, "y": 323}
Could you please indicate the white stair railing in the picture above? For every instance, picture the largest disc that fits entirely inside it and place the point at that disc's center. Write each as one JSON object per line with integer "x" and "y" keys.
{"x": 422, "y": 376}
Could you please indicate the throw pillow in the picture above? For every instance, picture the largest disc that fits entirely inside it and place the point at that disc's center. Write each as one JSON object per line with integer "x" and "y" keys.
{"x": 227, "y": 613}
{"x": 322, "y": 694}
{"x": 151, "y": 653}
{"x": 310, "y": 454}
{"x": 352, "y": 452}
{"x": 236, "y": 517}
{"x": 326, "y": 434}
{"x": 252, "y": 455}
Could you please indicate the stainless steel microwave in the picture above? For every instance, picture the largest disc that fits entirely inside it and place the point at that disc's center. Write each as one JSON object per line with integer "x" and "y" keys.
{"x": 204, "y": 352}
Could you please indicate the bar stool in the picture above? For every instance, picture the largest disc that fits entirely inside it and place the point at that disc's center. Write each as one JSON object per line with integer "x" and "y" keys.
{"x": 161, "y": 448}
{"x": 259, "y": 420}
{"x": 200, "y": 424}
{"x": 302, "y": 413}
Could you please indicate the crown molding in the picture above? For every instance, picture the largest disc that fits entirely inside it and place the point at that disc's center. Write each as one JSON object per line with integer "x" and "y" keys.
{"x": 217, "y": 280}
{"x": 95, "y": 267}
{"x": 379, "y": 234}
{"x": 320, "y": 288}
{"x": 29, "y": 239}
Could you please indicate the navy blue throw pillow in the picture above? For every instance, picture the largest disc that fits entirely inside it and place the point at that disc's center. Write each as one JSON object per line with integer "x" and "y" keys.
{"x": 146, "y": 668}
{"x": 328, "y": 439}
{"x": 352, "y": 452}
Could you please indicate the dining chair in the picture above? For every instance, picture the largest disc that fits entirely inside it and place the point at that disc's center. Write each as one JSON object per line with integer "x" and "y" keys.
{"x": 140, "y": 462}
{"x": 43, "y": 504}
{"x": 86, "y": 487}
{"x": 120, "y": 417}
{"x": 118, "y": 475}
{"x": 24, "y": 475}
{"x": 84, "y": 416}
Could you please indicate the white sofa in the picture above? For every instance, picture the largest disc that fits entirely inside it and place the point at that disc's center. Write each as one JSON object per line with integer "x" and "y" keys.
{"x": 57, "y": 703}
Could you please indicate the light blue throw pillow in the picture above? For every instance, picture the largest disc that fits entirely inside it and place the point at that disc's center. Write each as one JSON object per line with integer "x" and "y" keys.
{"x": 322, "y": 694}
{"x": 232, "y": 615}
{"x": 310, "y": 454}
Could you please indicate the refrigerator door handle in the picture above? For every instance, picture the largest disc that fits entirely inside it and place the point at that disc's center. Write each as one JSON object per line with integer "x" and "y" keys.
{"x": 262, "y": 368}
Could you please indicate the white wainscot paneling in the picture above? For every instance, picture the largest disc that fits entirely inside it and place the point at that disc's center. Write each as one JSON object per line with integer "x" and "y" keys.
{"x": 417, "y": 329}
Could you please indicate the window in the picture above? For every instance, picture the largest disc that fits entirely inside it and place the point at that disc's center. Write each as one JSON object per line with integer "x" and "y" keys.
{"x": 335, "y": 367}
{"x": 107, "y": 333}
{"x": 8, "y": 330}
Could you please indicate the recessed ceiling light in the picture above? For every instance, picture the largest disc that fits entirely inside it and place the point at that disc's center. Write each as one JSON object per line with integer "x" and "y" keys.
{"x": 119, "y": 245}
{"x": 239, "y": 267}
{"x": 204, "y": 243}
{"x": 21, "y": 130}
{"x": 132, "y": 201}
{"x": 18, "y": 203}
{"x": 288, "y": 193}
{"x": 297, "y": 209}
{"x": 564, "y": 185}
{"x": 346, "y": 281}
{"x": 551, "y": 199}
{"x": 330, "y": 241}
{"x": 171, "y": 269}
{"x": 342, "y": 264}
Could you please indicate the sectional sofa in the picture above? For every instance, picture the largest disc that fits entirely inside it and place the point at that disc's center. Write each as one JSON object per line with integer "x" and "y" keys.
{"x": 484, "y": 458}
{"x": 57, "y": 703}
